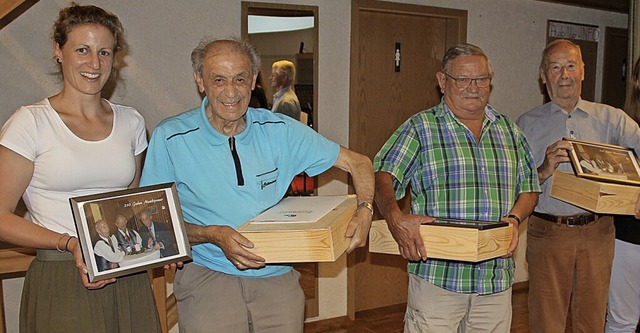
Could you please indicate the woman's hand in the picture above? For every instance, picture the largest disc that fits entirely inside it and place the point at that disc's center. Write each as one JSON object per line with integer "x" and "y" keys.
{"x": 74, "y": 248}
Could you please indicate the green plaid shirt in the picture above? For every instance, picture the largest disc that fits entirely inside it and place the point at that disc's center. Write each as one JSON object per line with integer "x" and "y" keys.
{"x": 453, "y": 176}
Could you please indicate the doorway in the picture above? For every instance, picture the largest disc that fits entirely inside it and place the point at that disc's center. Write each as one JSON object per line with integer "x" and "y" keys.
{"x": 616, "y": 67}
{"x": 298, "y": 44}
{"x": 396, "y": 49}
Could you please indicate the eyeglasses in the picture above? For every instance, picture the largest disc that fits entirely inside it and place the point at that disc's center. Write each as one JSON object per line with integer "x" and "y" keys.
{"x": 464, "y": 82}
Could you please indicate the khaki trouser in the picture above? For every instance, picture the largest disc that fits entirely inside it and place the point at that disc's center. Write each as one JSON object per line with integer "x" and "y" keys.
{"x": 210, "y": 301}
{"x": 431, "y": 309}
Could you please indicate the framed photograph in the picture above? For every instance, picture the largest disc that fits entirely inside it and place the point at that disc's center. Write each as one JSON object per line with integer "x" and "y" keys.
{"x": 127, "y": 231}
{"x": 604, "y": 162}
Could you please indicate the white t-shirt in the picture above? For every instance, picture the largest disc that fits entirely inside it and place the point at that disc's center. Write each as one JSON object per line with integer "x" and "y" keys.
{"x": 67, "y": 166}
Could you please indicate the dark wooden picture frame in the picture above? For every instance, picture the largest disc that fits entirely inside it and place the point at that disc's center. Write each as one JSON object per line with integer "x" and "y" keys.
{"x": 604, "y": 162}
{"x": 155, "y": 233}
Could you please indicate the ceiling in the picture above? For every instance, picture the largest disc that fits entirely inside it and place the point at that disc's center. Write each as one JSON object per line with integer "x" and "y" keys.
{"x": 621, "y": 6}
{"x": 10, "y": 9}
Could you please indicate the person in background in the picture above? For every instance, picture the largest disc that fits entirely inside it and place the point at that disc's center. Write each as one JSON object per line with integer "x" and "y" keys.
{"x": 105, "y": 248}
{"x": 569, "y": 250}
{"x": 623, "y": 307}
{"x": 230, "y": 163}
{"x": 73, "y": 143}
{"x": 129, "y": 240}
{"x": 156, "y": 236}
{"x": 285, "y": 100}
{"x": 462, "y": 160}
{"x": 258, "y": 96}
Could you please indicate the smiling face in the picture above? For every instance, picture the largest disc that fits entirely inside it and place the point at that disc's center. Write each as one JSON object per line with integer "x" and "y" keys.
{"x": 563, "y": 73}
{"x": 468, "y": 102}
{"x": 227, "y": 79}
{"x": 86, "y": 58}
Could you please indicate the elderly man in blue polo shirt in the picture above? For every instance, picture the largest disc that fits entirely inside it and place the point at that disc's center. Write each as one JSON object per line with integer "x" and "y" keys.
{"x": 230, "y": 162}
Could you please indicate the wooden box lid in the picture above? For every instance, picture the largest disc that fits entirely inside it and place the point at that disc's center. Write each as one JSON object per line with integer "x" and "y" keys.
{"x": 448, "y": 242}
{"x": 289, "y": 242}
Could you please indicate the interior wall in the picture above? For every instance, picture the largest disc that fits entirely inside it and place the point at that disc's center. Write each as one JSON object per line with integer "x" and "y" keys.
{"x": 159, "y": 82}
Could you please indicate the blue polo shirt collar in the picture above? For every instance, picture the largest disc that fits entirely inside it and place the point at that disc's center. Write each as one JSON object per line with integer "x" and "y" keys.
{"x": 217, "y": 138}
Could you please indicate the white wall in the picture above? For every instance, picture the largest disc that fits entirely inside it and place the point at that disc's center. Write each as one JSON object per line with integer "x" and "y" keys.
{"x": 158, "y": 80}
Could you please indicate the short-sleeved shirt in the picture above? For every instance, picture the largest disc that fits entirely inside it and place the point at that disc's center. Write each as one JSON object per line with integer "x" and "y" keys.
{"x": 452, "y": 175}
{"x": 215, "y": 189}
{"x": 65, "y": 165}
{"x": 589, "y": 121}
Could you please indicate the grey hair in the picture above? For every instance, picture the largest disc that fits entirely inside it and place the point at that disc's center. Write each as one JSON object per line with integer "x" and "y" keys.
{"x": 285, "y": 67}
{"x": 551, "y": 45}
{"x": 463, "y": 49}
{"x": 206, "y": 45}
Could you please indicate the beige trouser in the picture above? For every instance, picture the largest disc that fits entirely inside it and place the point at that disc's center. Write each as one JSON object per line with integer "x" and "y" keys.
{"x": 210, "y": 301}
{"x": 431, "y": 309}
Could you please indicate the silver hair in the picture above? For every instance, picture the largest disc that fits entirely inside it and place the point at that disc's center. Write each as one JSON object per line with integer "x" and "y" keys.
{"x": 206, "y": 45}
{"x": 463, "y": 49}
{"x": 287, "y": 68}
{"x": 547, "y": 49}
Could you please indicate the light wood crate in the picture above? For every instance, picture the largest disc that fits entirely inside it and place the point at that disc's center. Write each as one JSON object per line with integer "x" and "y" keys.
{"x": 320, "y": 241}
{"x": 447, "y": 242}
{"x": 594, "y": 196}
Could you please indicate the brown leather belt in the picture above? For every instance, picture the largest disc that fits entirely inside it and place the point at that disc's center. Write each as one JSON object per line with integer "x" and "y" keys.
{"x": 570, "y": 220}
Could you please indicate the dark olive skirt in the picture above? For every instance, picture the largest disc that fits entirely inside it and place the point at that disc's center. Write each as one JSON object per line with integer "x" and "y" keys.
{"x": 54, "y": 300}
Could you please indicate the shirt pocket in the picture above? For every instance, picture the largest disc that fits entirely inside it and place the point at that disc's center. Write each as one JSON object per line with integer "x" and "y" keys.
{"x": 267, "y": 182}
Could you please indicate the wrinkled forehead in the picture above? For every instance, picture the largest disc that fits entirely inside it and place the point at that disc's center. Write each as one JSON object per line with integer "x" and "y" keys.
{"x": 226, "y": 61}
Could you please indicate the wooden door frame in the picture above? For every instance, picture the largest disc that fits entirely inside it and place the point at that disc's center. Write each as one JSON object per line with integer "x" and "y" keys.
{"x": 458, "y": 25}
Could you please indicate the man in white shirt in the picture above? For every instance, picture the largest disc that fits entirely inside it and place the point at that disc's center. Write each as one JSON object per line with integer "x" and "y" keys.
{"x": 105, "y": 248}
{"x": 285, "y": 100}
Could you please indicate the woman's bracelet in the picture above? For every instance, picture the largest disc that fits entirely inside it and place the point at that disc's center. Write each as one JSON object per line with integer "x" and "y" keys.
{"x": 66, "y": 245}
{"x": 58, "y": 243}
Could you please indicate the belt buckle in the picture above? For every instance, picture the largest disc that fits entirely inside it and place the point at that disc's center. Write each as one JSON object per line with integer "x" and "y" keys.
{"x": 575, "y": 221}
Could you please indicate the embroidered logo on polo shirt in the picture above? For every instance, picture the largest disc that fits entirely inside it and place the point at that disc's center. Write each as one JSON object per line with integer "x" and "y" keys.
{"x": 264, "y": 184}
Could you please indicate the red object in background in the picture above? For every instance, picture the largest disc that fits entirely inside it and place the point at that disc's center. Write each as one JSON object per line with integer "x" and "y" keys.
{"x": 302, "y": 185}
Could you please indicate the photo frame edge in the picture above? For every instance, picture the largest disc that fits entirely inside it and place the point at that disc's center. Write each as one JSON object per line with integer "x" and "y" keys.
{"x": 94, "y": 275}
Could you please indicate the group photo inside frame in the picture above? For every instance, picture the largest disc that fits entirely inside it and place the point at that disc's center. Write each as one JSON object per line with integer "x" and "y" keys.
{"x": 127, "y": 231}
{"x": 604, "y": 162}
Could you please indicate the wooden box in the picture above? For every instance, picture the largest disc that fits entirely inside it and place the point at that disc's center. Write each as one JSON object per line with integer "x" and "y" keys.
{"x": 451, "y": 242}
{"x": 595, "y": 196}
{"x": 320, "y": 241}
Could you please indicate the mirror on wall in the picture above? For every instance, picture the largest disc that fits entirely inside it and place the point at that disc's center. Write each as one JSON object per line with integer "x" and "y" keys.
{"x": 286, "y": 32}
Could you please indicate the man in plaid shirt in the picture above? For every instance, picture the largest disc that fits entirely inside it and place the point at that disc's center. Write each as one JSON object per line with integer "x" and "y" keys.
{"x": 462, "y": 160}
